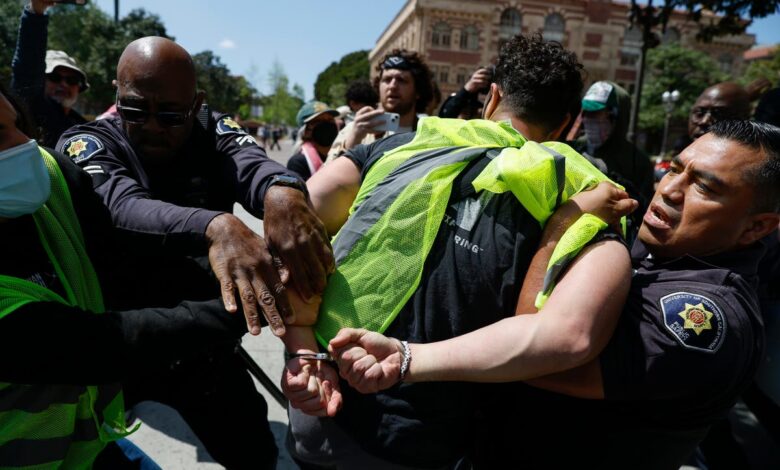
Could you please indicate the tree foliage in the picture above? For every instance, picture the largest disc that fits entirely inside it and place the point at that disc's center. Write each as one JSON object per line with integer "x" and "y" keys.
{"x": 672, "y": 67}
{"x": 733, "y": 16}
{"x": 92, "y": 37}
{"x": 282, "y": 105}
{"x": 224, "y": 92}
{"x": 767, "y": 69}
{"x": 332, "y": 82}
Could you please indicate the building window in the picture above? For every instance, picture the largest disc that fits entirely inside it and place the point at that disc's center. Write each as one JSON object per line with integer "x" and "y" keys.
{"x": 671, "y": 35}
{"x": 511, "y": 24}
{"x": 628, "y": 58}
{"x": 441, "y": 34}
{"x": 461, "y": 77}
{"x": 554, "y": 28}
{"x": 725, "y": 61}
{"x": 632, "y": 38}
{"x": 469, "y": 38}
{"x": 444, "y": 75}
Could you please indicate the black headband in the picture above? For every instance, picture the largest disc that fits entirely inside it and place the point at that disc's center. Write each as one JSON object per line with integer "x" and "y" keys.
{"x": 396, "y": 62}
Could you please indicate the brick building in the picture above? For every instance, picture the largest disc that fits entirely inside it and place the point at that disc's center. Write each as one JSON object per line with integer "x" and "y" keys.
{"x": 458, "y": 36}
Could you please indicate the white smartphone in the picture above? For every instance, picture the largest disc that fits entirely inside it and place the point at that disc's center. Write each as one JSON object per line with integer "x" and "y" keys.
{"x": 388, "y": 122}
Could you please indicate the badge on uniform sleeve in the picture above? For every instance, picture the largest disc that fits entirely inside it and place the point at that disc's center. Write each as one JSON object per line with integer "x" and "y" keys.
{"x": 695, "y": 321}
{"x": 227, "y": 125}
{"x": 82, "y": 147}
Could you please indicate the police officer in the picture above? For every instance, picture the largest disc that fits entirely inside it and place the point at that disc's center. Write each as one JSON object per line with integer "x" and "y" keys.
{"x": 688, "y": 342}
{"x": 69, "y": 352}
{"x": 169, "y": 172}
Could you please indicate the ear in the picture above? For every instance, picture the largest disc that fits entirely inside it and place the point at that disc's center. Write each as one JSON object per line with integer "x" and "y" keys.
{"x": 555, "y": 133}
{"x": 199, "y": 100}
{"x": 493, "y": 101}
{"x": 114, "y": 83}
{"x": 760, "y": 225}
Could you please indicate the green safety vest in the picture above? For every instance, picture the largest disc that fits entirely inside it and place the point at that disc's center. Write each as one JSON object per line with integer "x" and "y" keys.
{"x": 381, "y": 250}
{"x": 57, "y": 426}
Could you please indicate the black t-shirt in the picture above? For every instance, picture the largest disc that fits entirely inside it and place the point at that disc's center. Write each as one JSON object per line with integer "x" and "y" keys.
{"x": 687, "y": 344}
{"x": 472, "y": 277}
{"x": 297, "y": 163}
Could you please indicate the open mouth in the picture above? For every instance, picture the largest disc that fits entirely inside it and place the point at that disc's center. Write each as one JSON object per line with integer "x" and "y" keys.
{"x": 657, "y": 217}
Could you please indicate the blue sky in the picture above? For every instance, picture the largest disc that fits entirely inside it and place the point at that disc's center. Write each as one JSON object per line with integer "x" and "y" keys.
{"x": 305, "y": 36}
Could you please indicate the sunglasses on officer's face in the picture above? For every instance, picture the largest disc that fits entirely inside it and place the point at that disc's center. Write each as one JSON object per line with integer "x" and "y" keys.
{"x": 164, "y": 118}
{"x": 68, "y": 79}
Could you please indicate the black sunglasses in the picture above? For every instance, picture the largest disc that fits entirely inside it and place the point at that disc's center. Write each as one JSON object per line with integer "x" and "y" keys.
{"x": 69, "y": 79}
{"x": 164, "y": 118}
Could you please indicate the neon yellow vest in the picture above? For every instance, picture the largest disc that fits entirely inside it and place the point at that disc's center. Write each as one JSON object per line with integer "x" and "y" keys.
{"x": 381, "y": 250}
{"x": 78, "y": 421}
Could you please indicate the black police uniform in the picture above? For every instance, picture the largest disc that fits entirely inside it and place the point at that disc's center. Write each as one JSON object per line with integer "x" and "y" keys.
{"x": 471, "y": 278}
{"x": 687, "y": 344}
{"x": 166, "y": 212}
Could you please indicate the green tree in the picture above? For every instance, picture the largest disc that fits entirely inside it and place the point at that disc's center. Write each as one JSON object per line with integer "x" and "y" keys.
{"x": 9, "y": 24}
{"x": 672, "y": 67}
{"x": 333, "y": 81}
{"x": 91, "y": 37}
{"x": 224, "y": 92}
{"x": 282, "y": 105}
{"x": 768, "y": 69}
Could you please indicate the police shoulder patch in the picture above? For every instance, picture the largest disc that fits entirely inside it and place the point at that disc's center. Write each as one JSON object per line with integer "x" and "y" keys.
{"x": 228, "y": 125}
{"x": 82, "y": 147}
{"x": 695, "y": 321}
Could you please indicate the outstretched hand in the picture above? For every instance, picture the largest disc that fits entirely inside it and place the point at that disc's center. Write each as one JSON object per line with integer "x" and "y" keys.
{"x": 297, "y": 236}
{"x": 242, "y": 262}
{"x": 312, "y": 387}
{"x": 368, "y": 361}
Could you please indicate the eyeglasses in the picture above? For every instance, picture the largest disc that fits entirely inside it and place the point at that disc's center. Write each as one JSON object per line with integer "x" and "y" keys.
{"x": 717, "y": 114}
{"x": 164, "y": 118}
{"x": 68, "y": 79}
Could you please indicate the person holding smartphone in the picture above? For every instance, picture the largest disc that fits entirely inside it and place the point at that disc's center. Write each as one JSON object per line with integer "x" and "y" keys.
{"x": 50, "y": 82}
{"x": 405, "y": 87}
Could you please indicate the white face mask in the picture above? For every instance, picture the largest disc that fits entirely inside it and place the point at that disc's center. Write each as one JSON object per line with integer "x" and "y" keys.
{"x": 24, "y": 180}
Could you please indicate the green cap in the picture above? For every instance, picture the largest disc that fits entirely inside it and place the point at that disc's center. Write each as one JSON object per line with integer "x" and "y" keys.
{"x": 600, "y": 95}
{"x": 311, "y": 110}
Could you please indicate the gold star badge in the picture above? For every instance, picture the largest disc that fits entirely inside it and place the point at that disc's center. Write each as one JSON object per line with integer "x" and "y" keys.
{"x": 76, "y": 147}
{"x": 231, "y": 123}
{"x": 696, "y": 317}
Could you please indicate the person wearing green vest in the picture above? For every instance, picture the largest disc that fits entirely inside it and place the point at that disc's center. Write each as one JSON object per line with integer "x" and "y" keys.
{"x": 66, "y": 354}
{"x": 434, "y": 234}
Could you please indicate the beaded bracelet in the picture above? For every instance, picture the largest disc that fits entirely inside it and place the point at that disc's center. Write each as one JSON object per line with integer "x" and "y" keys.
{"x": 407, "y": 359}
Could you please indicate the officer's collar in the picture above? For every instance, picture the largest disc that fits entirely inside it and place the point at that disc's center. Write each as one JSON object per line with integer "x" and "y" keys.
{"x": 744, "y": 261}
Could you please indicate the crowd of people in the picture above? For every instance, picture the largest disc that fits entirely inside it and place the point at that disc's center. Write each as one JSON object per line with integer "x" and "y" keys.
{"x": 495, "y": 282}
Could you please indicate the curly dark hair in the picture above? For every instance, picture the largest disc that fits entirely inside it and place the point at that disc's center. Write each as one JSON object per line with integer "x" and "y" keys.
{"x": 423, "y": 79}
{"x": 361, "y": 91}
{"x": 540, "y": 80}
{"x": 24, "y": 120}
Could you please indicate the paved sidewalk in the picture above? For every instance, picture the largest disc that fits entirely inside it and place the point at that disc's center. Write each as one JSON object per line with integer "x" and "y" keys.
{"x": 167, "y": 438}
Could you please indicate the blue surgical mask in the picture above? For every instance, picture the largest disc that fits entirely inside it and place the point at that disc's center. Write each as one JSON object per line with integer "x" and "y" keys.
{"x": 24, "y": 180}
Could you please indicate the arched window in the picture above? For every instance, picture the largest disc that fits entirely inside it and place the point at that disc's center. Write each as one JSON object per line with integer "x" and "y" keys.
{"x": 511, "y": 24}
{"x": 671, "y": 35}
{"x": 441, "y": 34}
{"x": 554, "y": 28}
{"x": 469, "y": 38}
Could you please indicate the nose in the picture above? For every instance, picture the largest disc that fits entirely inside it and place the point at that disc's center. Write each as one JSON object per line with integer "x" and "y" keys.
{"x": 672, "y": 188}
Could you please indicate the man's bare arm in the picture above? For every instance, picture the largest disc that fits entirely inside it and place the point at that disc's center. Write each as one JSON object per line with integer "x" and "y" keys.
{"x": 332, "y": 191}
